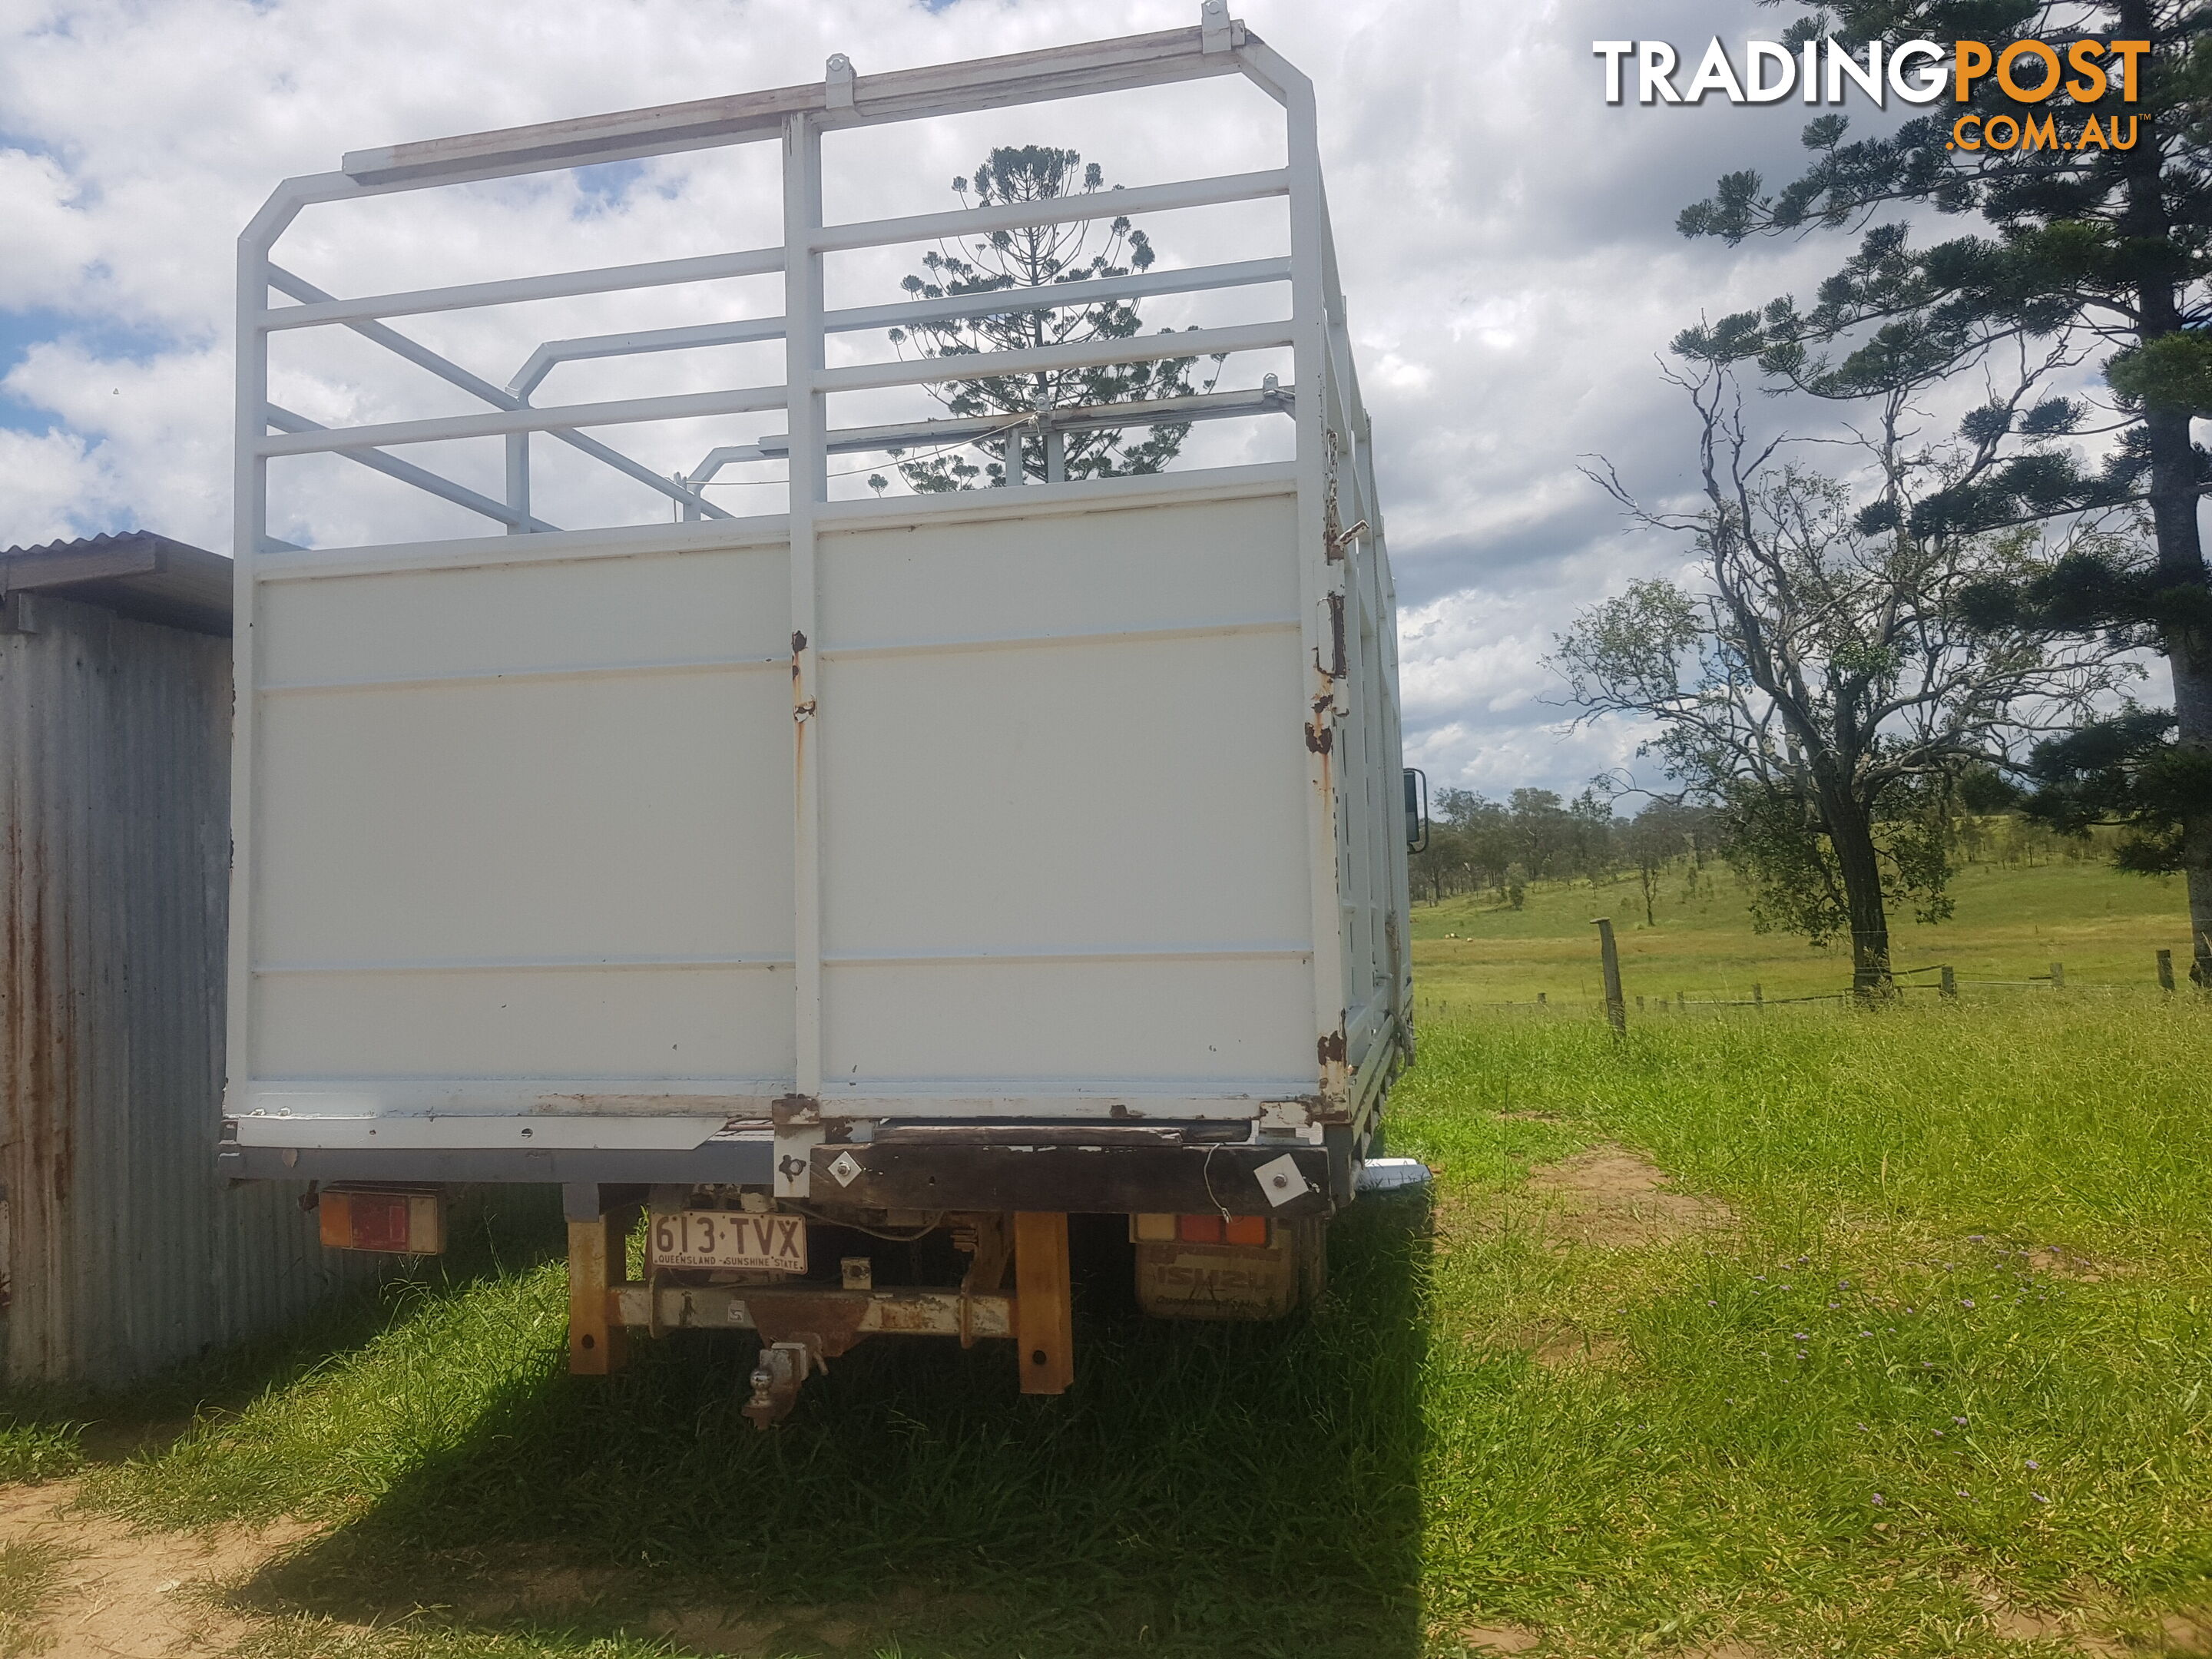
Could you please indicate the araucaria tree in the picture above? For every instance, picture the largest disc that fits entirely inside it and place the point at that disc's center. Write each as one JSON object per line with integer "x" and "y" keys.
{"x": 1040, "y": 257}
{"x": 1815, "y": 681}
{"x": 2095, "y": 244}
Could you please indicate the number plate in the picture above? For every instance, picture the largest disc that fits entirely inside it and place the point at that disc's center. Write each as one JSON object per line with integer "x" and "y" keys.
{"x": 729, "y": 1238}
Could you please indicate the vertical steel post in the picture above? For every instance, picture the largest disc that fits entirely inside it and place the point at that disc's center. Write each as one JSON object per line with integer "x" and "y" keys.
{"x": 1759, "y": 997}
{"x": 2165, "y": 970}
{"x": 249, "y": 529}
{"x": 2057, "y": 976}
{"x": 803, "y": 362}
{"x": 1950, "y": 982}
{"x": 517, "y": 480}
{"x": 1317, "y": 578}
{"x": 1616, "y": 1006}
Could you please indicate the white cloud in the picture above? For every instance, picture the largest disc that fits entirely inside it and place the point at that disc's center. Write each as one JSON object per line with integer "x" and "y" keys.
{"x": 53, "y": 486}
{"x": 1505, "y": 240}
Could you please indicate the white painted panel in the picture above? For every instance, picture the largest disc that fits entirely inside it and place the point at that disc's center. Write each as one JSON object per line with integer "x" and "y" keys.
{"x": 635, "y": 1025}
{"x": 612, "y": 816}
{"x": 662, "y": 607}
{"x": 1233, "y": 1023}
{"x": 1161, "y": 565}
{"x": 1127, "y": 795}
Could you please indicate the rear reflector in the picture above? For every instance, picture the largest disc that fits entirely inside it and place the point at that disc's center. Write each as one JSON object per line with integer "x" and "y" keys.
{"x": 399, "y": 1220}
{"x": 1250, "y": 1231}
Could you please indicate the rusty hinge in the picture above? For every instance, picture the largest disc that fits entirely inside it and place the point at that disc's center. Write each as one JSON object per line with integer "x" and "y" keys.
{"x": 1335, "y": 638}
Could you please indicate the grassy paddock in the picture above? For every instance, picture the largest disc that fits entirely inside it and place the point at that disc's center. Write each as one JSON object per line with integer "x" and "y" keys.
{"x": 2012, "y": 921}
{"x": 1750, "y": 1433}
{"x": 1862, "y": 1420}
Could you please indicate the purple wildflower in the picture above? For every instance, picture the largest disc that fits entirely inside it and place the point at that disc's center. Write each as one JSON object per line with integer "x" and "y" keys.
{"x": 2032, "y": 1464}
{"x": 2038, "y": 1498}
{"x": 1965, "y": 1302}
{"x": 1877, "y": 1497}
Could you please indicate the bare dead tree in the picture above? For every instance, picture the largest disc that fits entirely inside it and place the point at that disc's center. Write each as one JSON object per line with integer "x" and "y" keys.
{"x": 1815, "y": 680}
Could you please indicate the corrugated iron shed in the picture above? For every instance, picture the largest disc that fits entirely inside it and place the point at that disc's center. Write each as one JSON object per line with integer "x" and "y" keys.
{"x": 121, "y": 1250}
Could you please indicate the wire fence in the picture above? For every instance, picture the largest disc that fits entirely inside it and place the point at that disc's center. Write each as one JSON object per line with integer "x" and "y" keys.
{"x": 1947, "y": 983}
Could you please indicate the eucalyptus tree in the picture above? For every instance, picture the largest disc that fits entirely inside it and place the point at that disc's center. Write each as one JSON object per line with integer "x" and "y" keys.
{"x": 1814, "y": 678}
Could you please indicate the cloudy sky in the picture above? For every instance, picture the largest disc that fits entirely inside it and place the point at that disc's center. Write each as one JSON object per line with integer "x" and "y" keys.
{"x": 1506, "y": 242}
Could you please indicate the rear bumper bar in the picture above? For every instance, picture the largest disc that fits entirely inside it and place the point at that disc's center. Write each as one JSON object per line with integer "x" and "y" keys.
{"x": 1289, "y": 1180}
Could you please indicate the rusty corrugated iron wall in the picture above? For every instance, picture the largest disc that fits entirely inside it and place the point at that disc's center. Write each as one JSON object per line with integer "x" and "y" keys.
{"x": 122, "y": 1250}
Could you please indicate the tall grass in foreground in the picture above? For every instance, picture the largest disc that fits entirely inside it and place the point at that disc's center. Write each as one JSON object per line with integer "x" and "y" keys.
{"x": 1946, "y": 1362}
{"x": 1953, "y": 1360}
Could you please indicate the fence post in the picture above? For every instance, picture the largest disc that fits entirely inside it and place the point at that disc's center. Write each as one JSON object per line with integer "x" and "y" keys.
{"x": 2057, "y": 976}
{"x": 1759, "y": 997}
{"x": 1542, "y": 995}
{"x": 1639, "y": 1003}
{"x": 1616, "y": 1006}
{"x": 2165, "y": 970}
{"x": 1950, "y": 987}
{"x": 1682, "y": 1002}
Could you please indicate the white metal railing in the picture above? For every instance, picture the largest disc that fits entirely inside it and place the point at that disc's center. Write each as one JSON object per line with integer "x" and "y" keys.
{"x": 1219, "y": 45}
{"x": 1346, "y": 583}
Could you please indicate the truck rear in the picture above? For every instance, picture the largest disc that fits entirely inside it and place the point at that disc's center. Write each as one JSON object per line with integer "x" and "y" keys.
{"x": 856, "y": 890}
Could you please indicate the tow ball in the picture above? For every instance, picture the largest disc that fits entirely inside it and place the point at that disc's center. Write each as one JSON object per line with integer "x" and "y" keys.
{"x": 777, "y": 1375}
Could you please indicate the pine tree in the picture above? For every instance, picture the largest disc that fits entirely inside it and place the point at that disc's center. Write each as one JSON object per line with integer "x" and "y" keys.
{"x": 1041, "y": 257}
{"x": 2093, "y": 249}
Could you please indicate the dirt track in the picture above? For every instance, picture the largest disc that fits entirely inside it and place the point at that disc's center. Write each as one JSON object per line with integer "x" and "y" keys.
{"x": 132, "y": 1595}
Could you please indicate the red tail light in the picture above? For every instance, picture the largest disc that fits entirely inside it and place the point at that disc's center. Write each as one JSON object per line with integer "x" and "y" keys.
{"x": 399, "y": 1220}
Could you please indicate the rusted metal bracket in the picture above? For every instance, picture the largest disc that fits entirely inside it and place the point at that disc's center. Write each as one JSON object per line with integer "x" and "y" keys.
{"x": 1044, "y": 1330}
{"x": 598, "y": 1344}
{"x": 1336, "y": 642}
{"x": 780, "y": 1312}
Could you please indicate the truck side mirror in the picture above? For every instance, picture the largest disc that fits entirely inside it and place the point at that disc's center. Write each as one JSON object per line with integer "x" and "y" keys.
{"x": 1417, "y": 810}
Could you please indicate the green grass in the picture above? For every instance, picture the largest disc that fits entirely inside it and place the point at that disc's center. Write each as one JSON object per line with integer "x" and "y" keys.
{"x": 2010, "y": 1199}
{"x": 1889, "y": 1170}
{"x": 2011, "y": 921}
{"x": 37, "y": 1447}
{"x": 28, "y": 1576}
{"x": 1208, "y": 1490}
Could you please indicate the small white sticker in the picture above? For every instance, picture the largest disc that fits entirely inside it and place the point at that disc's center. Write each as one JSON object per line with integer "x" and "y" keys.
{"x": 846, "y": 1167}
{"x": 1279, "y": 1178}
